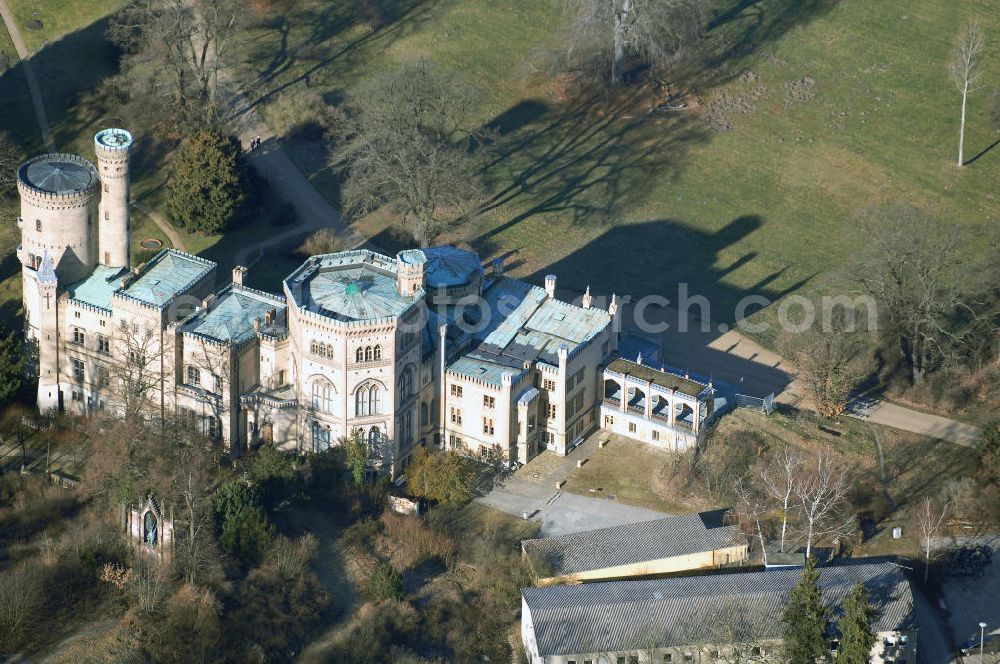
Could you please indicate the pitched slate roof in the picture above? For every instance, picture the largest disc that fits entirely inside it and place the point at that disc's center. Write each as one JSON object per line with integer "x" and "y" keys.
{"x": 635, "y": 543}
{"x": 231, "y": 316}
{"x": 97, "y": 287}
{"x": 677, "y": 611}
{"x": 166, "y": 275}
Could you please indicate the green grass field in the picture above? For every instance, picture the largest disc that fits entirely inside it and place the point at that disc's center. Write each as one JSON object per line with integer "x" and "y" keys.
{"x": 58, "y": 17}
{"x": 848, "y": 105}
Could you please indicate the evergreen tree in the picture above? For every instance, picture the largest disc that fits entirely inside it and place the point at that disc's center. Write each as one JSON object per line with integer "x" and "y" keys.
{"x": 805, "y": 619}
{"x": 855, "y": 626}
{"x": 206, "y": 185}
{"x": 11, "y": 367}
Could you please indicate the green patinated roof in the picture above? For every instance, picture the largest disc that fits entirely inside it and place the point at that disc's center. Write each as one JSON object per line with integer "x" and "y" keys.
{"x": 58, "y": 174}
{"x": 168, "y": 274}
{"x": 349, "y": 286}
{"x": 232, "y": 315}
{"x": 525, "y": 325}
{"x": 97, "y": 288}
{"x": 657, "y": 377}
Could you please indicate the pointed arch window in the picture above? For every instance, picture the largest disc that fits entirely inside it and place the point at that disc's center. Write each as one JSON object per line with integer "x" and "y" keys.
{"x": 368, "y": 353}
{"x": 322, "y": 396}
{"x": 405, "y": 384}
{"x": 359, "y": 355}
{"x": 377, "y": 353}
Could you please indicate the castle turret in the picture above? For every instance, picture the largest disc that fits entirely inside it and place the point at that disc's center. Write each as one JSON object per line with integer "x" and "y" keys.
{"x": 113, "y": 148}
{"x": 58, "y": 214}
{"x": 410, "y": 272}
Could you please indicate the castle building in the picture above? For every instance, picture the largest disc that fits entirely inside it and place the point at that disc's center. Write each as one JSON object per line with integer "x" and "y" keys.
{"x": 426, "y": 348}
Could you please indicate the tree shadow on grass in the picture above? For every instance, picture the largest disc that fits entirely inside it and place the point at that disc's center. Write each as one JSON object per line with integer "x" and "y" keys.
{"x": 325, "y": 53}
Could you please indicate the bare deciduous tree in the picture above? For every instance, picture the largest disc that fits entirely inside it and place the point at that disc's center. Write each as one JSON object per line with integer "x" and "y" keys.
{"x": 821, "y": 490}
{"x": 927, "y": 297}
{"x": 966, "y": 71}
{"x": 751, "y": 512}
{"x": 137, "y": 371}
{"x": 778, "y": 481}
{"x": 608, "y": 32}
{"x": 411, "y": 143}
{"x": 930, "y": 521}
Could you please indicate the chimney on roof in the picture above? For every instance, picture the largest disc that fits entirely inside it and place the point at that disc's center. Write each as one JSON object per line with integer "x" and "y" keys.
{"x": 208, "y": 301}
{"x": 256, "y": 325}
{"x": 497, "y": 267}
{"x": 587, "y": 299}
{"x": 550, "y": 285}
{"x": 269, "y": 316}
{"x": 239, "y": 272}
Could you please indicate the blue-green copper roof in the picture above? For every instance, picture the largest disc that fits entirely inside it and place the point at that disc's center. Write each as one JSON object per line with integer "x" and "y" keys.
{"x": 349, "y": 286}
{"x": 97, "y": 288}
{"x": 450, "y": 266}
{"x": 524, "y": 325}
{"x": 232, "y": 315}
{"x": 168, "y": 274}
{"x": 58, "y": 174}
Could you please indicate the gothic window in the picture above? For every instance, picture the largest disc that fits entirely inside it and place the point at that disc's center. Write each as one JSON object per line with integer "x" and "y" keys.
{"x": 320, "y": 437}
{"x": 368, "y": 353}
{"x": 193, "y": 375}
{"x": 361, "y": 402}
{"x": 149, "y": 529}
{"x": 322, "y": 396}
{"x": 407, "y": 427}
{"x": 212, "y": 427}
{"x": 377, "y": 353}
{"x": 405, "y": 384}
{"x": 424, "y": 414}
{"x": 375, "y": 400}
{"x": 359, "y": 355}
{"x": 374, "y": 436}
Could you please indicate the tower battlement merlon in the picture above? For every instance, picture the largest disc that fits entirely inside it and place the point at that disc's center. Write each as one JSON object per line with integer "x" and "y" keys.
{"x": 113, "y": 148}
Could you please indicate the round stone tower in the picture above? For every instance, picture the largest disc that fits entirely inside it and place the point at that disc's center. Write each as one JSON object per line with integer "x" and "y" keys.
{"x": 58, "y": 214}
{"x": 113, "y": 148}
{"x": 410, "y": 271}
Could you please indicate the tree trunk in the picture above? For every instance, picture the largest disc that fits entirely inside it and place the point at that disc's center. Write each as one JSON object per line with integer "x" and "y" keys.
{"x": 961, "y": 126}
{"x": 784, "y": 526}
{"x": 618, "y": 58}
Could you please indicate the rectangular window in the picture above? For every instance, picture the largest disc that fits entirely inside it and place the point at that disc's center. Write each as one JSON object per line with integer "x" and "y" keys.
{"x": 78, "y": 336}
{"x": 107, "y": 215}
{"x": 78, "y": 371}
{"x": 609, "y": 421}
{"x": 488, "y": 426}
{"x": 456, "y": 416}
{"x": 38, "y": 224}
{"x": 655, "y": 434}
{"x": 107, "y": 188}
{"x": 212, "y": 427}
{"x": 489, "y": 402}
{"x": 552, "y": 411}
{"x": 103, "y": 376}
{"x": 456, "y": 390}
{"x": 633, "y": 659}
{"x": 631, "y": 427}
{"x": 668, "y": 658}
{"x": 135, "y": 328}
{"x": 549, "y": 384}
{"x": 455, "y": 441}
{"x": 103, "y": 344}
{"x": 218, "y": 384}
{"x": 75, "y": 396}
{"x": 193, "y": 375}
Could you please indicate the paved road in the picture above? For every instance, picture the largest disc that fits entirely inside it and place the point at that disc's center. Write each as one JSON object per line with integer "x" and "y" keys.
{"x": 533, "y": 490}
{"x": 29, "y": 73}
{"x": 270, "y": 160}
{"x": 899, "y": 417}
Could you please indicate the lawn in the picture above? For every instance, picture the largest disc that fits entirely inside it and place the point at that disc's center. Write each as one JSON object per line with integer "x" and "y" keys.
{"x": 58, "y": 17}
{"x": 843, "y": 105}
{"x": 629, "y": 472}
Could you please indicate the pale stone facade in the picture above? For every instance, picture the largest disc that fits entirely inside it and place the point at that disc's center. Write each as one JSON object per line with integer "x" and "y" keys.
{"x": 422, "y": 349}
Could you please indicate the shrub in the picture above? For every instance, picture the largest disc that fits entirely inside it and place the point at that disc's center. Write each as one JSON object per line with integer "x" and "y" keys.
{"x": 323, "y": 241}
{"x": 246, "y": 531}
{"x": 385, "y": 582}
{"x": 21, "y": 606}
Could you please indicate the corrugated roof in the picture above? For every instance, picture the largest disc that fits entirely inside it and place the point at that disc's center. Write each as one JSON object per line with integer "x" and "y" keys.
{"x": 635, "y": 543}
{"x": 168, "y": 274}
{"x": 232, "y": 315}
{"x": 678, "y": 611}
{"x": 97, "y": 287}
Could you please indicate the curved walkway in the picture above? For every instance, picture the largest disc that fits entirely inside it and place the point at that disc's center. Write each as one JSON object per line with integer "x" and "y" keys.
{"x": 29, "y": 73}
{"x": 161, "y": 223}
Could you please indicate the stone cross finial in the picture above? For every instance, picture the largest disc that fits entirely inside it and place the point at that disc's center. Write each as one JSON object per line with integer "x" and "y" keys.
{"x": 613, "y": 307}
{"x": 587, "y": 299}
